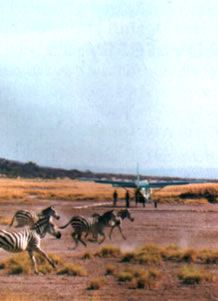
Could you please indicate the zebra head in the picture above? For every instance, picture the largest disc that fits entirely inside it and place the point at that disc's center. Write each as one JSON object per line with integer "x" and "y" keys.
{"x": 125, "y": 214}
{"x": 50, "y": 211}
{"x": 43, "y": 226}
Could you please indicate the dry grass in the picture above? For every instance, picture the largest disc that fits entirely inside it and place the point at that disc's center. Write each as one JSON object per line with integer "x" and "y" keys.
{"x": 21, "y": 264}
{"x": 108, "y": 251}
{"x": 192, "y": 275}
{"x": 174, "y": 193}
{"x": 140, "y": 278}
{"x": 4, "y": 220}
{"x": 72, "y": 270}
{"x": 96, "y": 284}
{"x": 14, "y": 297}
{"x": 24, "y": 190}
{"x": 60, "y": 189}
{"x": 151, "y": 254}
{"x": 110, "y": 269}
{"x": 88, "y": 255}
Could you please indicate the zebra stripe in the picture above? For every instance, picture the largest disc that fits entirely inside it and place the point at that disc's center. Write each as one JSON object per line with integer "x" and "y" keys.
{"x": 94, "y": 224}
{"x": 27, "y": 218}
{"x": 29, "y": 240}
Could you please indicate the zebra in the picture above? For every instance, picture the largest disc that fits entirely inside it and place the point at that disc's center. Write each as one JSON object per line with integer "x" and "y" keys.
{"x": 91, "y": 224}
{"x": 120, "y": 216}
{"x": 26, "y": 218}
{"x": 29, "y": 240}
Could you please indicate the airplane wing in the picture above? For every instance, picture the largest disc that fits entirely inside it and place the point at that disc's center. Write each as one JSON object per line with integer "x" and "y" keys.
{"x": 145, "y": 184}
{"x": 124, "y": 184}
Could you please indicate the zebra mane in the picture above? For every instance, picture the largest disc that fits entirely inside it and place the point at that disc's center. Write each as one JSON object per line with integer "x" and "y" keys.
{"x": 123, "y": 213}
{"x": 41, "y": 226}
{"x": 46, "y": 210}
{"x": 107, "y": 216}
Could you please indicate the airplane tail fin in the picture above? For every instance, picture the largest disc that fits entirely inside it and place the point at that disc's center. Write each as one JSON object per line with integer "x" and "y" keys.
{"x": 137, "y": 174}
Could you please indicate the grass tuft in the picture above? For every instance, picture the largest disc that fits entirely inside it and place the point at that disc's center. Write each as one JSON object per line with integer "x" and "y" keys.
{"x": 108, "y": 251}
{"x": 72, "y": 270}
{"x": 208, "y": 256}
{"x": 21, "y": 264}
{"x": 87, "y": 255}
{"x": 139, "y": 278}
{"x": 17, "y": 264}
{"x": 149, "y": 254}
{"x": 110, "y": 269}
{"x": 96, "y": 284}
{"x": 171, "y": 253}
{"x": 191, "y": 275}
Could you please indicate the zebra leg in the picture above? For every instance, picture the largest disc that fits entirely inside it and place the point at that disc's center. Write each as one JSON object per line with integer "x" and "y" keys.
{"x": 41, "y": 252}
{"x": 102, "y": 234}
{"x": 80, "y": 239}
{"x": 94, "y": 237}
{"x": 33, "y": 260}
{"x": 121, "y": 232}
{"x": 75, "y": 239}
{"x": 111, "y": 230}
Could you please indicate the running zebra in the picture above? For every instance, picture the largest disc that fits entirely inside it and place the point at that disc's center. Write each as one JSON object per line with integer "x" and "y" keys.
{"x": 26, "y": 218}
{"x": 121, "y": 215}
{"x": 93, "y": 224}
{"x": 29, "y": 240}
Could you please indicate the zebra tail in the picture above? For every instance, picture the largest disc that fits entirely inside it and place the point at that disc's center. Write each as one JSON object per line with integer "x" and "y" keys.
{"x": 65, "y": 226}
{"x": 12, "y": 221}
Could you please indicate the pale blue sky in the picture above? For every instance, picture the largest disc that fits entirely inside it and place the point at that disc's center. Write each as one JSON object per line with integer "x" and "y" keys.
{"x": 108, "y": 84}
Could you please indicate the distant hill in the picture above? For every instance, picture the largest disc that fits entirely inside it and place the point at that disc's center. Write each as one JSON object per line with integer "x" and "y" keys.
{"x": 30, "y": 169}
{"x": 13, "y": 169}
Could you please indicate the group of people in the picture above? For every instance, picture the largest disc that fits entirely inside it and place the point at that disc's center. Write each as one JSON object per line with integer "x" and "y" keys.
{"x": 138, "y": 196}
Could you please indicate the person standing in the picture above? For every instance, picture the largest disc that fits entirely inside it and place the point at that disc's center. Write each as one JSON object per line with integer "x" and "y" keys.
{"x": 127, "y": 198}
{"x": 115, "y": 196}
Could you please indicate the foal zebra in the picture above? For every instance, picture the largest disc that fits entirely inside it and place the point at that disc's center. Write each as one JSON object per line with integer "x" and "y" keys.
{"x": 29, "y": 240}
{"x": 93, "y": 224}
{"x": 26, "y": 218}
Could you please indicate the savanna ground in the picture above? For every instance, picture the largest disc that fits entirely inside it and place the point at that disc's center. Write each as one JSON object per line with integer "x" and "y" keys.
{"x": 171, "y": 253}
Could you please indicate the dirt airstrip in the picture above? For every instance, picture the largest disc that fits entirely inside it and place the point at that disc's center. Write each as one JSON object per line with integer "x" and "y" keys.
{"x": 188, "y": 226}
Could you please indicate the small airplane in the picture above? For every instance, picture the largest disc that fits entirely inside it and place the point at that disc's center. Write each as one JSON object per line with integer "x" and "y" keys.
{"x": 143, "y": 185}
{"x": 143, "y": 189}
